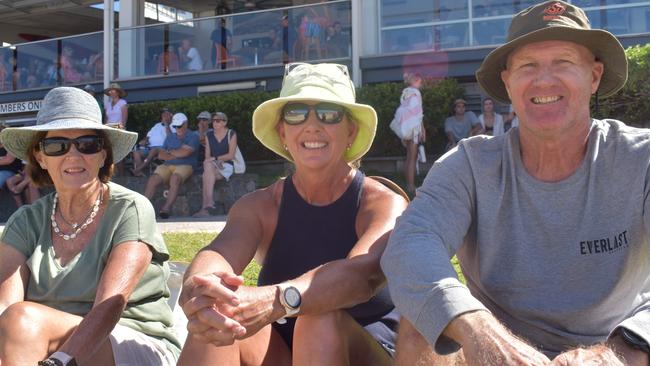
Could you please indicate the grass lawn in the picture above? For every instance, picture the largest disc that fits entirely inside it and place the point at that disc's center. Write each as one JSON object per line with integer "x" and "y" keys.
{"x": 183, "y": 247}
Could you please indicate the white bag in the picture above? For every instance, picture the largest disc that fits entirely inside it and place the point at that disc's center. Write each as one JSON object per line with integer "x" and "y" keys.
{"x": 238, "y": 160}
{"x": 422, "y": 156}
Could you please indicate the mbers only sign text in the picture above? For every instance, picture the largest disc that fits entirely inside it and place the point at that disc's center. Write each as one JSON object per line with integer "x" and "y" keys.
{"x": 20, "y": 107}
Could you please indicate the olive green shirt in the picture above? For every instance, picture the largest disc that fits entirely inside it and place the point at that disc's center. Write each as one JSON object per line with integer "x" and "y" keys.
{"x": 128, "y": 216}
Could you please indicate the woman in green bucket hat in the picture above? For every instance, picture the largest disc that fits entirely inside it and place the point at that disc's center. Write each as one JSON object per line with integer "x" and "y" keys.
{"x": 319, "y": 235}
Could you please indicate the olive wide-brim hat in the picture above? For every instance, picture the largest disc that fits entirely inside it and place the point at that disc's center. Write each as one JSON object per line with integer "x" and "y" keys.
{"x": 555, "y": 21}
{"x": 66, "y": 108}
{"x": 318, "y": 83}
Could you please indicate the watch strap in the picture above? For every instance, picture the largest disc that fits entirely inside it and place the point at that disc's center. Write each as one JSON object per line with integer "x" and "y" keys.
{"x": 289, "y": 310}
{"x": 633, "y": 340}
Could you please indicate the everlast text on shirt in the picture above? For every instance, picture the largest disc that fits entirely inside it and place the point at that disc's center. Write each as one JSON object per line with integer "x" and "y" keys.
{"x": 604, "y": 246}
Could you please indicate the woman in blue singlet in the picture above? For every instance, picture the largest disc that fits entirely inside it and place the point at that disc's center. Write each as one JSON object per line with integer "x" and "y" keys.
{"x": 319, "y": 235}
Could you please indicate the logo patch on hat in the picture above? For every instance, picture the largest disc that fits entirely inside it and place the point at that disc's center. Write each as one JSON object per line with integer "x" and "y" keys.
{"x": 554, "y": 11}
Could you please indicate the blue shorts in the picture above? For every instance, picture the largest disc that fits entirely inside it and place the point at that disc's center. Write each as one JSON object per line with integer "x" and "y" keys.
{"x": 4, "y": 175}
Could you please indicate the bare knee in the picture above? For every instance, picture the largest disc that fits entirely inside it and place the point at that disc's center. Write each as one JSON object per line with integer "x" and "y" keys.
{"x": 22, "y": 321}
{"x": 328, "y": 326}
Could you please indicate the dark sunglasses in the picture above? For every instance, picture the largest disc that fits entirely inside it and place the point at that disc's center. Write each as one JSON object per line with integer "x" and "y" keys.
{"x": 57, "y": 146}
{"x": 328, "y": 113}
{"x": 218, "y": 120}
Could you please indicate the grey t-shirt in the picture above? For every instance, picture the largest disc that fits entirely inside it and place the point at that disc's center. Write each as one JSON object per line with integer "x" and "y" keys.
{"x": 461, "y": 129}
{"x": 561, "y": 264}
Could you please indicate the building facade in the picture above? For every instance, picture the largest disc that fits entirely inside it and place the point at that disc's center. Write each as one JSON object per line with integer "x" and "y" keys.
{"x": 175, "y": 49}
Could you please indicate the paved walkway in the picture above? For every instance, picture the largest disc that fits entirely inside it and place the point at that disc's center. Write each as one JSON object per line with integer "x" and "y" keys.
{"x": 185, "y": 224}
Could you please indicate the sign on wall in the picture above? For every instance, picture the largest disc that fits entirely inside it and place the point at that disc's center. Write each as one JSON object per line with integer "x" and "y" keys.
{"x": 20, "y": 107}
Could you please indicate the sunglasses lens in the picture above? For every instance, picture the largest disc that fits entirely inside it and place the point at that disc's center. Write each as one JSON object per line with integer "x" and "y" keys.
{"x": 330, "y": 113}
{"x": 55, "y": 146}
{"x": 89, "y": 144}
{"x": 58, "y": 146}
{"x": 296, "y": 113}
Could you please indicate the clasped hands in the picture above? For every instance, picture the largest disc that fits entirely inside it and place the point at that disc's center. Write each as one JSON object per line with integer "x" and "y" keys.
{"x": 220, "y": 309}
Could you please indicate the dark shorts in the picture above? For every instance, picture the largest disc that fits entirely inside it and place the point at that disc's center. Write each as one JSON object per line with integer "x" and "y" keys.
{"x": 384, "y": 331}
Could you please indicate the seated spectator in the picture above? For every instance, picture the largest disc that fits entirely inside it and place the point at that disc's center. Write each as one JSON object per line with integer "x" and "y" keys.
{"x": 221, "y": 143}
{"x": 83, "y": 271}
{"x": 68, "y": 67}
{"x": 91, "y": 90}
{"x": 319, "y": 234}
{"x": 23, "y": 188}
{"x": 9, "y": 167}
{"x": 203, "y": 128}
{"x": 149, "y": 147}
{"x": 491, "y": 122}
{"x": 551, "y": 225}
{"x": 461, "y": 125}
{"x": 179, "y": 152}
{"x": 189, "y": 56}
{"x": 511, "y": 120}
{"x": 168, "y": 62}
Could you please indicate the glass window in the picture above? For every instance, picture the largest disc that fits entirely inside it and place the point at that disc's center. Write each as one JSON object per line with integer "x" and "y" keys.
{"x": 622, "y": 20}
{"x": 489, "y": 8}
{"x": 36, "y": 65}
{"x": 451, "y": 35}
{"x": 406, "y": 12}
{"x": 490, "y": 32}
{"x": 407, "y": 39}
{"x": 6, "y": 69}
{"x": 591, "y": 3}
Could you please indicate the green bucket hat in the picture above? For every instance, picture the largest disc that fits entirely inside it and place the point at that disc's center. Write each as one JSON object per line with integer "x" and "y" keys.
{"x": 319, "y": 83}
{"x": 555, "y": 21}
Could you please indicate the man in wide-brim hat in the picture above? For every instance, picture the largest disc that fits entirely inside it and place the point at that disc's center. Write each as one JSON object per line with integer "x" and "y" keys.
{"x": 550, "y": 222}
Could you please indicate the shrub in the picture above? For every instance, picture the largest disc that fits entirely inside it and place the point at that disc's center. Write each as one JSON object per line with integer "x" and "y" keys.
{"x": 632, "y": 103}
{"x": 239, "y": 106}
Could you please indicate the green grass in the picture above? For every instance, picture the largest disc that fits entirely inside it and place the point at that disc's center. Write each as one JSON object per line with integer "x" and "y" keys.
{"x": 184, "y": 246}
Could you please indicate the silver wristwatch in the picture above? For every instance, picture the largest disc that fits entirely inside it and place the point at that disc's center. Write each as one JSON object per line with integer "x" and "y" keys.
{"x": 290, "y": 299}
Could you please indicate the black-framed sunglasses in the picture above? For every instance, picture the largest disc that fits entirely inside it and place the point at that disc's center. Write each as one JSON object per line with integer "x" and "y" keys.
{"x": 57, "y": 146}
{"x": 328, "y": 113}
{"x": 218, "y": 120}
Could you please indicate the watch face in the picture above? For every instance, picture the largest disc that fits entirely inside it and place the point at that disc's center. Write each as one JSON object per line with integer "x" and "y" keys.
{"x": 292, "y": 297}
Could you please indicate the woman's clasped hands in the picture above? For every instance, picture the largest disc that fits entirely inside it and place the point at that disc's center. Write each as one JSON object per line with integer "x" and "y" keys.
{"x": 220, "y": 309}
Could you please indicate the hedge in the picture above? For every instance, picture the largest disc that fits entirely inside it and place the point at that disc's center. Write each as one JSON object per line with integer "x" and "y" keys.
{"x": 632, "y": 103}
{"x": 239, "y": 106}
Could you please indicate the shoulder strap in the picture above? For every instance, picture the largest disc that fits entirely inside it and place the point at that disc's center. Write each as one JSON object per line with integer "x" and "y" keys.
{"x": 392, "y": 185}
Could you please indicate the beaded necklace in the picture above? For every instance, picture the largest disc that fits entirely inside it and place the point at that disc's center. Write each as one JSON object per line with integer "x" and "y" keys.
{"x": 77, "y": 229}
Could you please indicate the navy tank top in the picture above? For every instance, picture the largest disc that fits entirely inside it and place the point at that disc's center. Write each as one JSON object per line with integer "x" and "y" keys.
{"x": 308, "y": 236}
{"x": 218, "y": 148}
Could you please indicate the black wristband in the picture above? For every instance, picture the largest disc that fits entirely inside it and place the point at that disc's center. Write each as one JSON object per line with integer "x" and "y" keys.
{"x": 633, "y": 340}
{"x": 50, "y": 362}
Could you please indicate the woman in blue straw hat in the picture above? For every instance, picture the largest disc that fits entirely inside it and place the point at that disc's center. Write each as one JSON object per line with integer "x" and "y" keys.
{"x": 83, "y": 270}
{"x": 319, "y": 235}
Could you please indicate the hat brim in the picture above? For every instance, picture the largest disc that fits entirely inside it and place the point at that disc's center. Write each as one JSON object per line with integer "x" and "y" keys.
{"x": 17, "y": 139}
{"x": 121, "y": 92}
{"x": 602, "y": 44}
{"x": 267, "y": 116}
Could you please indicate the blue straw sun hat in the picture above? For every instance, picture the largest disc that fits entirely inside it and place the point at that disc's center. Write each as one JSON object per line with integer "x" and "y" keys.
{"x": 67, "y": 108}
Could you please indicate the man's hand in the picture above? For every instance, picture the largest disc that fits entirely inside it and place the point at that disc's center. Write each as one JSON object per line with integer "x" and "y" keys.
{"x": 599, "y": 355}
{"x": 205, "y": 301}
{"x": 487, "y": 342}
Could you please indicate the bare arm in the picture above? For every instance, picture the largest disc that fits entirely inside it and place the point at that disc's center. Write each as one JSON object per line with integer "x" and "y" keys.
{"x": 7, "y": 159}
{"x": 125, "y": 115}
{"x": 126, "y": 265}
{"x": 14, "y": 275}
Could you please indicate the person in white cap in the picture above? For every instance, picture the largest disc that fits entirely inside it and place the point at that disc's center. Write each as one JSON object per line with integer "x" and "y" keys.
{"x": 179, "y": 153}
{"x": 550, "y": 222}
{"x": 150, "y": 145}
